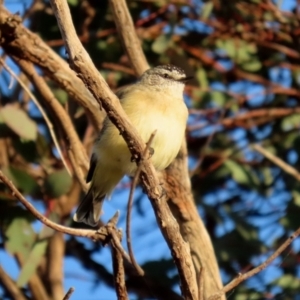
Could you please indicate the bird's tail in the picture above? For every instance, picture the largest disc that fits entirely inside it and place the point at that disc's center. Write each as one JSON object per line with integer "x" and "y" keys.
{"x": 89, "y": 209}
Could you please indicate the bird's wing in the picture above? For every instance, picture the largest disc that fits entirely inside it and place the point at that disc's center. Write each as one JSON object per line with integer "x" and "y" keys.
{"x": 121, "y": 92}
{"x": 93, "y": 163}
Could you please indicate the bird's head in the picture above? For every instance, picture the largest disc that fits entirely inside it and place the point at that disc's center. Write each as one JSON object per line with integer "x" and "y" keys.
{"x": 164, "y": 75}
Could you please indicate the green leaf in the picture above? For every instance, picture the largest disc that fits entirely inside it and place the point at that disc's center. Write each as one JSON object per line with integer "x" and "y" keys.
{"x": 248, "y": 296}
{"x": 20, "y": 237}
{"x": 296, "y": 197}
{"x": 229, "y": 46}
{"x": 73, "y": 2}
{"x": 252, "y": 66}
{"x": 61, "y": 95}
{"x": 207, "y": 10}
{"x": 240, "y": 173}
{"x": 32, "y": 262}
{"x": 288, "y": 282}
{"x": 219, "y": 98}
{"x": 290, "y": 122}
{"x": 21, "y": 179}
{"x": 161, "y": 44}
{"x": 37, "y": 252}
{"x": 251, "y": 48}
{"x": 58, "y": 183}
{"x": 19, "y": 122}
{"x": 202, "y": 78}
{"x": 242, "y": 54}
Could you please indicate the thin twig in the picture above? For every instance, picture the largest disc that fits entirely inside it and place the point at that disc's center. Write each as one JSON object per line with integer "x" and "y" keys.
{"x": 69, "y": 293}
{"x": 242, "y": 277}
{"x": 92, "y": 234}
{"x": 277, "y": 161}
{"x": 201, "y": 284}
{"x": 47, "y": 120}
{"x": 119, "y": 274}
{"x": 117, "y": 244}
{"x": 130, "y": 201}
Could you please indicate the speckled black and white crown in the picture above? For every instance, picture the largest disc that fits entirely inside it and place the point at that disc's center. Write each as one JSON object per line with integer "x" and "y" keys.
{"x": 166, "y": 72}
{"x": 170, "y": 68}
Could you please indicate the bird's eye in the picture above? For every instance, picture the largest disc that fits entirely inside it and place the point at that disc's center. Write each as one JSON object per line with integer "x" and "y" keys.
{"x": 166, "y": 75}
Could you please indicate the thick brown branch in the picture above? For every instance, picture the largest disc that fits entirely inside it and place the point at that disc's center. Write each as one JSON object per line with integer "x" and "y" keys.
{"x": 192, "y": 228}
{"x": 82, "y": 64}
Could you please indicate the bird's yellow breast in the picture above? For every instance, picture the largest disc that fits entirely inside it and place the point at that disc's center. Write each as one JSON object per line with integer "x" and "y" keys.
{"x": 166, "y": 115}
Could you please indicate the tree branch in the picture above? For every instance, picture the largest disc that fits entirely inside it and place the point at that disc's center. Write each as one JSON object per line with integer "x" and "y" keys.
{"x": 69, "y": 293}
{"x": 10, "y": 286}
{"x": 55, "y": 263}
{"x": 119, "y": 274}
{"x": 277, "y": 161}
{"x": 192, "y": 228}
{"x": 95, "y": 235}
{"x": 131, "y": 42}
{"x": 82, "y": 64}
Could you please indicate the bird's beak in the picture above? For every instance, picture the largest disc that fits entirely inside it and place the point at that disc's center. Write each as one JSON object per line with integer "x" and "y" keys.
{"x": 186, "y": 79}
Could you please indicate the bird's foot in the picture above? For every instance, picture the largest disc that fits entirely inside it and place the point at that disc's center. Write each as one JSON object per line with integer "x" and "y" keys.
{"x": 151, "y": 151}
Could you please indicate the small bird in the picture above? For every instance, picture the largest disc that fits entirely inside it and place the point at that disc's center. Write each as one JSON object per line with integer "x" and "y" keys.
{"x": 154, "y": 103}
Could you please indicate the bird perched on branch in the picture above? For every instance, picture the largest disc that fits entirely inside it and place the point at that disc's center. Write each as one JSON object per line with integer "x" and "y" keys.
{"x": 153, "y": 103}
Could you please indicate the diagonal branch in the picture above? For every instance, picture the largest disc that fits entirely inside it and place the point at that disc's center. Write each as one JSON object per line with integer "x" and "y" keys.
{"x": 69, "y": 293}
{"x": 10, "y": 286}
{"x": 277, "y": 161}
{"x": 83, "y": 66}
{"x": 132, "y": 44}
